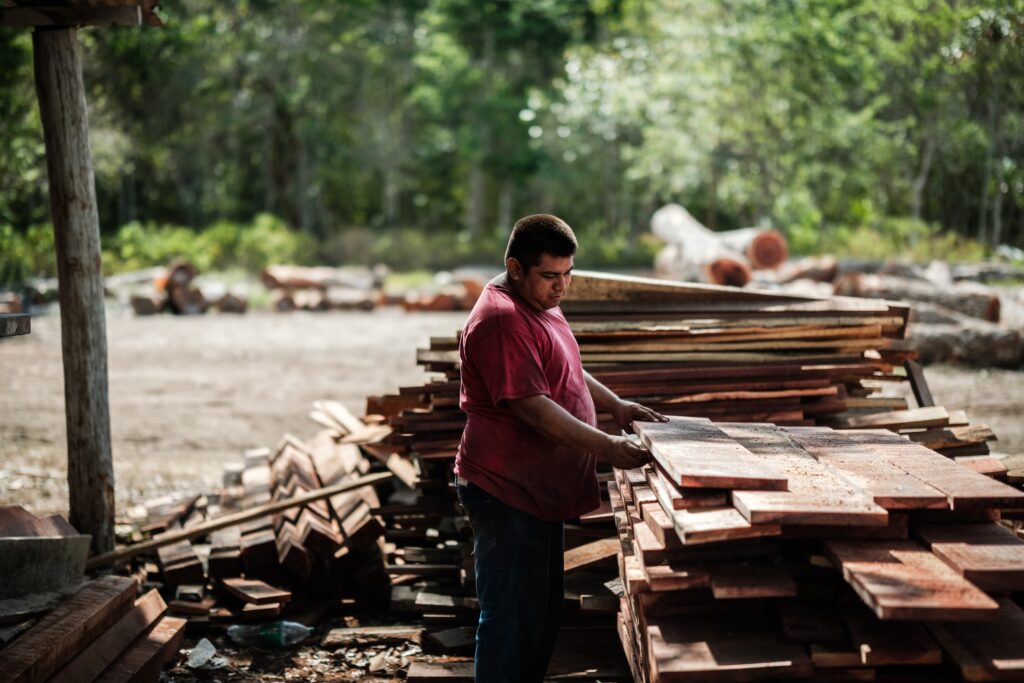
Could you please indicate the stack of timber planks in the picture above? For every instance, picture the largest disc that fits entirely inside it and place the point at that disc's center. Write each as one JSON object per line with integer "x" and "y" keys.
{"x": 754, "y": 551}
{"x": 103, "y": 632}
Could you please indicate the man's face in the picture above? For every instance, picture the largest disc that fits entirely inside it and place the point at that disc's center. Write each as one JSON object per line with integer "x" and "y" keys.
{"x": 545, "y": 284}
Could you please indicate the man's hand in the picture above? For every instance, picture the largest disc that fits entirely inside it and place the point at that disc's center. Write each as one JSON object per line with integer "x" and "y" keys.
{"x": 624, "y": 453}
{"x": 625, "y": 412}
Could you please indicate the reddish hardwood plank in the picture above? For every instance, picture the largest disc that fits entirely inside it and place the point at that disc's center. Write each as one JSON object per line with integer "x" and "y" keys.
{"x": 933, "y": 416}
{"x": 145, "y": 657}
{"x": 672, "y": 498}
{"x": 987, "y": 554}
{"x": 965, "y": 489}
{"x": 815, "y": 494}
{"x": 90, "y": 662}
{"x": 58, "y": 636}
{"x": 884, "y": 643}
{"x": 989, "y": 650}
{"x": 721, "y": 648}
{"x": 709, "y": 525}
{"x": 751, "y": 581}
{"x": 888, "y": 485}
{"x": 590, "y": 553}
{"x": 696, "y": 453}
{"x": 255, "y": 591}
{"x": 903, "y": 580}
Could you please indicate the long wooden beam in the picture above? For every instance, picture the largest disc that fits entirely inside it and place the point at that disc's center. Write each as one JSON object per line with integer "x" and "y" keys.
{"x": 234, "y": 519}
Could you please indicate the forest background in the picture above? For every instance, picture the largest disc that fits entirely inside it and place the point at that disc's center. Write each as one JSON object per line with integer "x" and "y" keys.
{"x": 414, "y": 132}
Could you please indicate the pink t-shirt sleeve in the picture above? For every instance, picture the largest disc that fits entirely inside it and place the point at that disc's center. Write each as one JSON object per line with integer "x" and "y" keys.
{"x": 509, "y": 364}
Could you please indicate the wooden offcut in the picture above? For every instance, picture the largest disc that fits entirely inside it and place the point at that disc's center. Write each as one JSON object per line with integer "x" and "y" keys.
{"x": 987, "y": 554}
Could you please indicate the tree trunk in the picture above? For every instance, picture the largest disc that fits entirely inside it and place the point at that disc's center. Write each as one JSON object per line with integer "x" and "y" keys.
{"x": 62, "y": 108}
{"x": 983, "y": 200}
{"x": 997, "y": 203}
{"x": 921, "y": 179}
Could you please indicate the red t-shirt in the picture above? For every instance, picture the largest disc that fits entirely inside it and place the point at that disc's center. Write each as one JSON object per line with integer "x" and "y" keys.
{"x": 509, "y": 351}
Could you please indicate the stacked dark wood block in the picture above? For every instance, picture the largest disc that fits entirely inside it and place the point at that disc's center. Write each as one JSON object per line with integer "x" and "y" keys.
{"x": 753, "y": 551}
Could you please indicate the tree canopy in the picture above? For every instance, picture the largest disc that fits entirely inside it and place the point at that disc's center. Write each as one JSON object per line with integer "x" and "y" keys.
{"x": 378, "y": 122}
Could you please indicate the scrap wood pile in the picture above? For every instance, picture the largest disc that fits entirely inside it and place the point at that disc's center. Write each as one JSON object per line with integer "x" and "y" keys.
{"x": 954, "y": 314}
{"x": 53, "y": 627}
{"x": 172, "y": 289}
{"x": 757, "y": 551}
{"x": 320, "y": 288}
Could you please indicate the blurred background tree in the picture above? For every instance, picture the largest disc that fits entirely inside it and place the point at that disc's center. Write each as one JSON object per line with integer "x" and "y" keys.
{"x": 416, "y": 131}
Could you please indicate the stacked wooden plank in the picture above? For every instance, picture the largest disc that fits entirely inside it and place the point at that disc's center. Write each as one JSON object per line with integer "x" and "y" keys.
{"x": 103, "y": 632}
{"x": 753, "y": 551}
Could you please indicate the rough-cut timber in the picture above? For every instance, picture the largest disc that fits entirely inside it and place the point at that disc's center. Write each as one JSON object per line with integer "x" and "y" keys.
{"x": 987, "y": 554}
{"x": 695, "y": 453}
{"x": 60, "y": 635}
{"x": 989, "y": 650}
{"x": 62, "y": 108}
{"x": 887, "y": 484}
{"x": 814, "y": 495}
{"x": 145, "y": 657}
{"x": 903, "y": 580}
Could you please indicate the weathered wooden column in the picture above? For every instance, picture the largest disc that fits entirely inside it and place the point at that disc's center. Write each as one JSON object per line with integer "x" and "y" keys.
{"x": 61, "y": 92}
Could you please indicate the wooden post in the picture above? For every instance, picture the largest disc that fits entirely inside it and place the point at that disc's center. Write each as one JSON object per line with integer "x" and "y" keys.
{"x": 61, "y": 92}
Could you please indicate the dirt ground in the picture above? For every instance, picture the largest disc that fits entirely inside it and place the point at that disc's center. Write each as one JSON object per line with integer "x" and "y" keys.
{"x": 189, "y": 394}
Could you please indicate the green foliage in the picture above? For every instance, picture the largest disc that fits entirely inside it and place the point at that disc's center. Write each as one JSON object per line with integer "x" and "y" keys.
{"x": 222, "y": 246}
{"x": 26, "y": 256}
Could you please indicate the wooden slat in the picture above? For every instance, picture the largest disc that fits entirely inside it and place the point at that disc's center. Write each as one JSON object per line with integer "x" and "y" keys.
{"x": 918, "y": 384}
{"x": 255, "y": 591}
{"x": 989, "y": 650}
{"x": 590, "y": 553}
{"x": 903, "y": 580}
{"x": 987, "y": 554}
{"x": 696, "y": 453}
{"x": 710, "y": 525}
{"x": 721, "y": 649}
{"x": 888, "y": 485}
{"x": 751, "y": 581}
{"x": 815, "y": 495}
{"x": 90, "y": 662}
{"x": 144, "y": 659}
{"x": 884, "y": 643}
{"x": 965, "y": 490}
{"x": 672, "y": 498}
{"x": 933, "y": 416}
{"x": 56, "y": 638}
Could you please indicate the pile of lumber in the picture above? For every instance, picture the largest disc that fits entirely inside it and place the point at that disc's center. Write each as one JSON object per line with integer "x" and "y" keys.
{"x": 319, "y": 288}
{"x": 103, "y": 632}
{"x": 954, "y": 317}
{"x": 753, "y": 551}
{"x": 172, "y": 289}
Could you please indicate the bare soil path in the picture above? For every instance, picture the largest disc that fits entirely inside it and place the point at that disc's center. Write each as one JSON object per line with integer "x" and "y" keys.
{"x": 189, "y": 394}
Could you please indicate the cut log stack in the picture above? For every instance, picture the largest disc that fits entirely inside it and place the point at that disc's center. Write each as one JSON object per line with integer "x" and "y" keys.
{"x": 318, "y": 288}
{"x": 173, "y": 289}
{"x": 752, "y": 551}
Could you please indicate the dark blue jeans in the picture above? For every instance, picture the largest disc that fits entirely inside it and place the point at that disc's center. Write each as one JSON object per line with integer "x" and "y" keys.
{"x": 520, "y": 584}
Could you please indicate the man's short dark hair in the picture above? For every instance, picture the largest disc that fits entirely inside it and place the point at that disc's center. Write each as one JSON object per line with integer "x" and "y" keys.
{"x": 541, "y": 233}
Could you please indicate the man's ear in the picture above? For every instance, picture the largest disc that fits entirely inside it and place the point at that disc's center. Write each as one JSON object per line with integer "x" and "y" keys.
{"x": 514, "y": 268}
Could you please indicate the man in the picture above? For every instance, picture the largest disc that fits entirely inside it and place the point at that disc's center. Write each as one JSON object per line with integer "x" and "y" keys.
{"x": 527, "y": 457}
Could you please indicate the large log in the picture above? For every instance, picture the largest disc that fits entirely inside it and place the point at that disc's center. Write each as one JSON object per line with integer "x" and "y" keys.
{"x": 693, "y": 252}
{"x": 62, "y": 109}
{"x": 977, "y": 301}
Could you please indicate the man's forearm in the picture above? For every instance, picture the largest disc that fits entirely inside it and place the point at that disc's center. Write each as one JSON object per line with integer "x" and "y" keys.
{"x": 604, "y": 398}
{"x": 555, "y": 423}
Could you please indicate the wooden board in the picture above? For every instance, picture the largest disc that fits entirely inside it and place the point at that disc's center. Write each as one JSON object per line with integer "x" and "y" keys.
{"x": 590, "y": 553}
{"x": 144, "y": 659}
{"x": 884, "y": 643}
{"x": 720, "y": 648}
{"x": 988, "y": 555}
{"x": 57, "y": 637}
{"x": 888, "y": 485}
{"x": 904, "y": 580}
{"x": 933, "y": 416}
{"x": 90, "y": 662}
{"x": 696, "y": 453}
{"x": 255, "y": 591}
{"x": 965, "y": 489}
{"x": 710, "y": 525}
{"x": 814, "y": 496}
{"x": 738, "y": 581}
{"x": 986, "y": 651}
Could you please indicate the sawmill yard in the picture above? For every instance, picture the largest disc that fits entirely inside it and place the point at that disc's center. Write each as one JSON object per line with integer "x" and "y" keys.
{"x": 188, "y": 394}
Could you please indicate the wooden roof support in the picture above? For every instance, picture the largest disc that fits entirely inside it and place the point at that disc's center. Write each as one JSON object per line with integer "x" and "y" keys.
{"x": 62, "y": 108}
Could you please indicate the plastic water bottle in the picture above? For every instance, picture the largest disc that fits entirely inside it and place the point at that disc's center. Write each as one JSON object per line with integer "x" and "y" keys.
{"x": 273, "y": 634}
